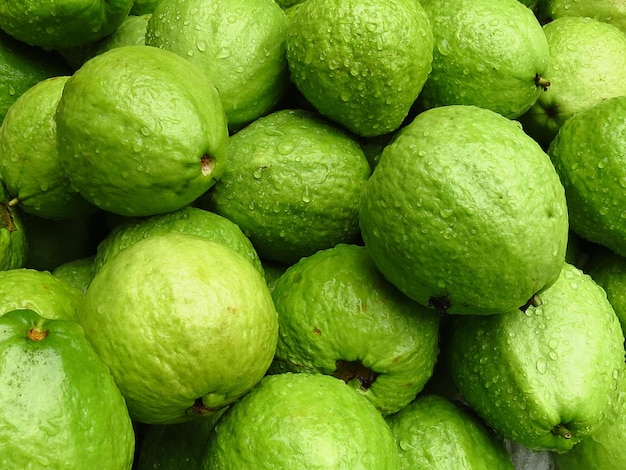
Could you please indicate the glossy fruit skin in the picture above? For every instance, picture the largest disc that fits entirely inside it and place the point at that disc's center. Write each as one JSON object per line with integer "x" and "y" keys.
{"x": 537, "y": 376}
{"x": 587, "y": 66}
{"x": 589, "y": 153}
{"x": 238, "y": 44}
{"x": 141, "y": 131}
{"x": 301, "y": 421}
{"x": 449, "y": 212}
{"x": 60, "y": 405}
{"x": 187, "y": 326}
{"x": 436, "y": 433}
{"x": 487, "y": 54}
{"x": 29, "y": 161}
{"x": 362, "y": 64}
{"x": 60, "y": 24}
{"x": 329, "y": 306}
{"x": 293, "y": 184}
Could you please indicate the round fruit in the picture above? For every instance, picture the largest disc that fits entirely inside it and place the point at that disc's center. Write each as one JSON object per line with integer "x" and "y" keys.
{"x": 538, "y": 377}
{"x": 338, "y": 316}
{"x": 293, "y": 184}
{"x": 141, "y": 131}
{"x": 238, "y": 44}
{"x": 187, "y": 325}
{"x": 360, "y": 63}
{"x": 301, "y": 421}
{"x": 58, "y": 24}
{"x": 589, "y": 154}
{"x": 60, "y": 405}
{"x": 40, "y": 291}
{"x": 190, "y": 220}
{"x": 435, "y": 433}
{"x": 461, "y": 201}
{"x": 587, "y": 66}
{"x": 488, "y": 54}
{"x": 29, "y": 160}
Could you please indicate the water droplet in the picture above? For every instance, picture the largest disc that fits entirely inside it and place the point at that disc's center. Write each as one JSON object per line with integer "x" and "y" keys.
{"x": 541, "y": 366}
{"x": 224, "y": 53}
{"x": 603, "y": 163}
{"x": 553, "y": 343}
{"x": 443, "y": 47}
{"x": 285, "y": 148}
{"x": 345, "y": 96}
{"x": 201, "y": 45}
{"x": 11, "y": 90}
{"x": 306, "y": 196}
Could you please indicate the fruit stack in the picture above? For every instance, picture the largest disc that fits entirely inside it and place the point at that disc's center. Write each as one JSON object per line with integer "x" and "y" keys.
{"x": 325, "y": 234}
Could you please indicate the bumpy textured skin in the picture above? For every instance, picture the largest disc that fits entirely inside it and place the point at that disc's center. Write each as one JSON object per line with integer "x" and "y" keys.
{"x": 21, "y": 66}
{"x": 60, "y": 405}
{"x": 308, "y": 421}
{"x": 608, "y": 269}
{"x": 238, "y": 44}
{"x": 527, "y": 373}
{"x": 133, "y": 127}
{"x": 60, "y": 24}
{"x": 29, "y": 160}
{"x": 180, "y": 320}
{"x": 435, "y": 433}
{"x": 486, "y": 54}
{"x": 77, "y": 272}
{"x": 335, "y": 305}
{"x": 191, "y": 220}
{"x": 360, "y": 63}
{"x": 609, "y": 11}
{"x": 589, "y": 154}
{"x": 587, "y": 66}
{"x": 293, "y": 184}
{"x": 50, "y": 297}
{"x": 465, "y": 212}
{"x": 605, "y": 447}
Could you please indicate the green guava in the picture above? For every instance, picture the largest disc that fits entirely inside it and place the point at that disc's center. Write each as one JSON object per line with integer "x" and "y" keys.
{"x": 60, "y": 405}
{"x": 546, "y": 376}
{"x": 187, "y": 326}
{"x": 449, "y": 212}
{"x": 301, "y": 420}
{"x": 360, "y": 63}
{"x": 141, "y": 131}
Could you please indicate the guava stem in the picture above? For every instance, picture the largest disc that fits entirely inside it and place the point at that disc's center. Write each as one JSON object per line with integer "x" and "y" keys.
{"x": 36, "y": 333}
{"x": 562, "y": 431}
{"x": 542, "y": 82}
{"x": 13, "y": 202}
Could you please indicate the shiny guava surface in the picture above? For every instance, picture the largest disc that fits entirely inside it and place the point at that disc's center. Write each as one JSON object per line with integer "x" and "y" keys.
{"x": 301, "y": 421}
{"x": 187, "y": 325}
{"x": 536, "y": 376}
{"x": 60, "y": 405}
{"x": 449, "y": 214}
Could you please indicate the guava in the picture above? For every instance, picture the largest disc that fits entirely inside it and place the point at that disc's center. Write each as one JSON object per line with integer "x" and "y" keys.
{"x": 29, "y": 161}
{"x": 141, "y": 131}
{"x": 77, "y": 272}
{"x": 60, "y": 405}
{"x": 436, "y": 433}
{"x": 463, "y": 200}
{"x": 546, "y": 376}
{"x": 190, "y": 220}
{"x": 589, "y": 154}
{"x": 338, "y": 316}
{"x": 609, "y": 11}
{"x": 238, "y": 44}
{"x": 22, "y": 66}
{"x": 360, "y": 63}
{"x": 301, "y": 420}
{"x": 587, "y": 66}
{"x": 489, "y": 54}
{"x": 40, "y": 291}
{"x": 57, "y": 24}
{"x": 187, "y": 326}
{"x": 292, "y": 184}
